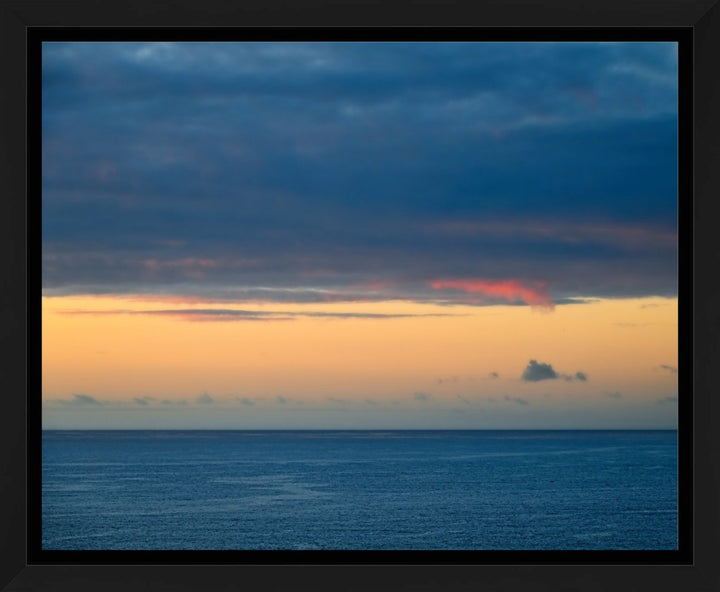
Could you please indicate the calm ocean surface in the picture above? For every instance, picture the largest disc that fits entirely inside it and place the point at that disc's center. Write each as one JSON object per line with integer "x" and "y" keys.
{"x": 359, "y": 490}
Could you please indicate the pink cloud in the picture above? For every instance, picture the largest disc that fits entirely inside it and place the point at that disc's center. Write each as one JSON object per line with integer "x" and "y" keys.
{"x": 510, "y": 290}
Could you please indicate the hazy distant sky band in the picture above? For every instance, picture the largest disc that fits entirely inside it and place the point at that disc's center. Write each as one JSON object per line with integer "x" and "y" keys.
{"x": 360, "y": 171}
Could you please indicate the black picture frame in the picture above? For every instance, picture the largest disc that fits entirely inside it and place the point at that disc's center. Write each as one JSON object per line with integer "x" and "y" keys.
{"x": 702, "y": 18}
{"x": 37, "y": 36}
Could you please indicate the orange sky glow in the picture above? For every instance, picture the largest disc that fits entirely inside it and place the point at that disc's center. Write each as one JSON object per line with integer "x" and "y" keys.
{"x": 117, "y": 349}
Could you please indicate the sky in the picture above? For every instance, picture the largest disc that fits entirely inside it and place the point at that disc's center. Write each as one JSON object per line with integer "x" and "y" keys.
{"x": 359, "y": 235}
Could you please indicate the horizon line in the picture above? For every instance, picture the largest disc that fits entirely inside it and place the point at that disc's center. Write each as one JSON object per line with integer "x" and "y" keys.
{"x": 643, "y": 429}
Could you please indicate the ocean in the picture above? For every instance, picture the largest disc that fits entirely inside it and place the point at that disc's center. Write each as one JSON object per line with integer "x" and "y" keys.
{"x": 362, "y": 490}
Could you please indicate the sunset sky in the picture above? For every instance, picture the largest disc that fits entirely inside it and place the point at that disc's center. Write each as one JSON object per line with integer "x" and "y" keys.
{"x": 359, "y": 235}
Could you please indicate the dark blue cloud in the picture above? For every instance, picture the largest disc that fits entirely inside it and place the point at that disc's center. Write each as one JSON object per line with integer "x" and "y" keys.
{"x": 536, "y": 371}
{"x": 331, "y": 165}
{"x": 581, "y": 376}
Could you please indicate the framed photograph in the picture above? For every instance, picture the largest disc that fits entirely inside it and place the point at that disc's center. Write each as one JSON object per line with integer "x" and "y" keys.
{"x": 396, "y": 305}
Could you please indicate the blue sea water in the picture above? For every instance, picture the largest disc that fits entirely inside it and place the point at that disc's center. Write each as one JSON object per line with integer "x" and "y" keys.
{"x": 550, "y": 490}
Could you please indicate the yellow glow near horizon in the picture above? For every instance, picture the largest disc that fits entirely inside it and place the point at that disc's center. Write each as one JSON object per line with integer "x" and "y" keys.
{"x": 620, "y": 344}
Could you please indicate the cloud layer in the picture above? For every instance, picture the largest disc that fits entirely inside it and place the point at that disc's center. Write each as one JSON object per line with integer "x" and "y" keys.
{"x": 462, "y": 172}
